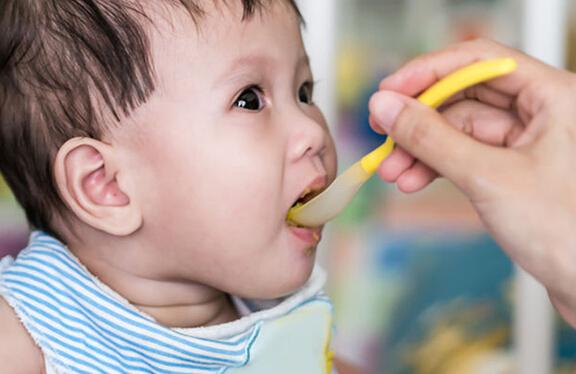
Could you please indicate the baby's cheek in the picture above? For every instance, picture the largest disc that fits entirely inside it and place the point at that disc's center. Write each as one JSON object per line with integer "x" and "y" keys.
{"x": 331, "y": 159}
{"x": 246, "y": 206}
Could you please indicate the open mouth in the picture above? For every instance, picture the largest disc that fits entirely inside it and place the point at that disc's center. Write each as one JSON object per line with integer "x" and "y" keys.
{"x": 313, "y": 189}
{"x": 306, "y": 196}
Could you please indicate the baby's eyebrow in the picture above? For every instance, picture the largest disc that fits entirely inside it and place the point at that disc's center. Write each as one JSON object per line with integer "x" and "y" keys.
{"x": 261, "y": 62}
{"x": 245, "y": 62}
{"x": 252, "y": 60}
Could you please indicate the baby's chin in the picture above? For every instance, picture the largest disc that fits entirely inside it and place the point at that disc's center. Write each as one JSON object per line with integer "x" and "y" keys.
{"x": 286, "y": 282}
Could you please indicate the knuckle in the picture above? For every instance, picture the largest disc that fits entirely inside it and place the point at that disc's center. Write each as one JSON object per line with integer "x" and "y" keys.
{"x": 483, "y": 42}
{"x": 471, "y": 44}
{"x": 482, "y": 47}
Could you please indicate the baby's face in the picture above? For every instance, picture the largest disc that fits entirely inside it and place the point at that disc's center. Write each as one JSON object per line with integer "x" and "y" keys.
{"x": 223, "y": 149}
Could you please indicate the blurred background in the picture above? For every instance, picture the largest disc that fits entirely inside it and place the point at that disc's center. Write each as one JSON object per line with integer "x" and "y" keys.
{"x": 417, "y": 284}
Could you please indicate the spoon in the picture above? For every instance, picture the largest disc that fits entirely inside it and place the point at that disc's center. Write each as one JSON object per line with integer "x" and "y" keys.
{"x": 336, "y": 197}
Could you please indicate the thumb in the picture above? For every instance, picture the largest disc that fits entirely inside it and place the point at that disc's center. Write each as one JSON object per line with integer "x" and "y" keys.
{"x": 427, "y": 136}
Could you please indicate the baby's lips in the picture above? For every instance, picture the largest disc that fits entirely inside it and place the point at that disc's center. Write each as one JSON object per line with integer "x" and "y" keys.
{"x": 311, "y": 236}
{"x": 318, "y": 184}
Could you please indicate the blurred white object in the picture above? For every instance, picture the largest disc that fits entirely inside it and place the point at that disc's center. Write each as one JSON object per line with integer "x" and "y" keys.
{"x": 544, "y": 32}
{"x": 320, "y": 39}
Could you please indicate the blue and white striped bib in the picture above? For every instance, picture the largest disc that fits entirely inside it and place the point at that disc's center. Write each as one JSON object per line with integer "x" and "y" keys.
{"x": 82, "y": 326}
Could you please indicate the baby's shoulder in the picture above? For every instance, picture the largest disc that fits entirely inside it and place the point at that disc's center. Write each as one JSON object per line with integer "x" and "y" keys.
{"x": 18, "y": 352}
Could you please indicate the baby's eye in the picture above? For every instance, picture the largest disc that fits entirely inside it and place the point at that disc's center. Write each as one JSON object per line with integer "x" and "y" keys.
{"x": 305, "y": 93}
{"x": 250, "y": 99}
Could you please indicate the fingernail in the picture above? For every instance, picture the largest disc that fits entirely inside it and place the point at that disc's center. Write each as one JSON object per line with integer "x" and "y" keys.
{"x": 385, "y": 107}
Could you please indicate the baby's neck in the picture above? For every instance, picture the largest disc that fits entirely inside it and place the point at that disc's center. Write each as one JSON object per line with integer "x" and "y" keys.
{"x": 173, "y": 303}
{"x": 213, "y": 311}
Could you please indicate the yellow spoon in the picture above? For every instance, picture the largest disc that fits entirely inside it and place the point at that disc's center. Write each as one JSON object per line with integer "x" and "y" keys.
{"x": 330, "y": 202}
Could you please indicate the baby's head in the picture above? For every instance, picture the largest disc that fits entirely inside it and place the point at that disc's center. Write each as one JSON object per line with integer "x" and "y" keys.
{"x": 174, "y": 133}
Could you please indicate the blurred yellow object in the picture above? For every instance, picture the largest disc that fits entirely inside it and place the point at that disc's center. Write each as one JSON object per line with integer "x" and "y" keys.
{"x": 449, "y": 350}
{"x": 351, "y": 74}
{"x": 329, "y": 203}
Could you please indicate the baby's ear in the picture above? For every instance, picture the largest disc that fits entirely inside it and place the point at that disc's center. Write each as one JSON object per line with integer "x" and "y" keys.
{"x": 86, "y": 174}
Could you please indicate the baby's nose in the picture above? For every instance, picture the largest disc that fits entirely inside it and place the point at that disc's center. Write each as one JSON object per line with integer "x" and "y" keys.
{"x": 309, "y": 137}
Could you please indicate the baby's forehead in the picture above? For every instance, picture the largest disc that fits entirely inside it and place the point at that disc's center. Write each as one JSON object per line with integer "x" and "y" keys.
{"x": 222, "y": 30}
{"x": 171, "y": 22}
{"x": 199, "y": 12}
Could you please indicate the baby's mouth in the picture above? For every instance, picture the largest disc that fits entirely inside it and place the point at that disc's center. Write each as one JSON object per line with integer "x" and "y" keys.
{"x": 307, "y": 195}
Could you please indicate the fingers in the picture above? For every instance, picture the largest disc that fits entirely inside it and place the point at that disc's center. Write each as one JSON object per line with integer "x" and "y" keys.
{"x": 416, "y": 178}
{"x": 428, "y": 137}
{"x": 374, "y": 126}
{"x": 422, "y": 72}
{"x": 482, "y": 122}
{"x": 484, "y": 94}
{"x": 395, "y": 165}
{"x": 405, "y": 171}
{"x": 485, "y": 123}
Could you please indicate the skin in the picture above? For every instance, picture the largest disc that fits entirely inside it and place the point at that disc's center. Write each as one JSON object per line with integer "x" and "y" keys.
{"x": 185, "y": 202}
{"x": 194, "y": 165}
{"x": 508, "y": 144}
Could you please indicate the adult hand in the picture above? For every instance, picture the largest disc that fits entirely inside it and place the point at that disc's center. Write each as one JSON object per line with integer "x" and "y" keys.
{"x": 508, "y": 144}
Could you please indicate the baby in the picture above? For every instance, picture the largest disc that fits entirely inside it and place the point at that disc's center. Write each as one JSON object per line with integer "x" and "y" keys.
{"x": 156, "y": 148}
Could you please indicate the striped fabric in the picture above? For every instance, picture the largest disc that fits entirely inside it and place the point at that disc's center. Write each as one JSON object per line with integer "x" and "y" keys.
{"x": 84, "y": 327}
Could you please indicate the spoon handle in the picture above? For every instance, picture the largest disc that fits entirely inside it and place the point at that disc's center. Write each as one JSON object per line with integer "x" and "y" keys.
{"x": 441, "y": 91}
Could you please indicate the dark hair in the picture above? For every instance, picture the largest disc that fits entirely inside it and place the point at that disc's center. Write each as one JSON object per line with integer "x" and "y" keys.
{"x": 58, "y": 58}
